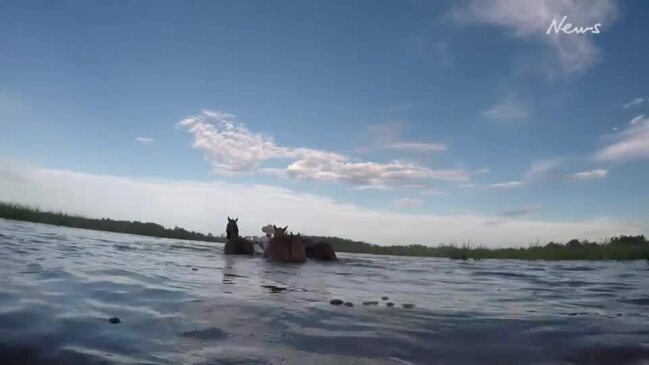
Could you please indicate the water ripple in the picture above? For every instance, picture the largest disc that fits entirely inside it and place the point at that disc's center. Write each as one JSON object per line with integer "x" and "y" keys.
{"x": 183, "y": 302}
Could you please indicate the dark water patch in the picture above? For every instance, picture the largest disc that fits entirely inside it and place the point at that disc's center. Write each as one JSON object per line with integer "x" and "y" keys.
{"x": 210, "y": 334}
{"x": 576, "y": 268}
{"x": 123, "y": 247}
{"x": 274, "y": 289}
{"x": 610, "y": 355}
{"x": 503, "y": 274}
{"x": 574, "y": 283}
{"x": 19, "y": 354}
{"x": 234, "y": 275}
{"x": 636, "y": 301}
{"x": 32, "y": 268}
{"x": 189, "y": 248}
{"x": 599, "y": 289}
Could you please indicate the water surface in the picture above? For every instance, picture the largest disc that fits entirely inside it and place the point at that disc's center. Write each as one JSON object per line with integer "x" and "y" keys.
{"x": 183, "y": 302}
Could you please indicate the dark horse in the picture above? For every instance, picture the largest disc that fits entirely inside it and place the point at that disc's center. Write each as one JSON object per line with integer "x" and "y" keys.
{"x": 285, "y": 248}
{"x": 320, "y": 250}
{"x": 236, "y": 245}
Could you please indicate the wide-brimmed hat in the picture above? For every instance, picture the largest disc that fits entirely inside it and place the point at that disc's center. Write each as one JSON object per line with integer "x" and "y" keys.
{"x": 268, "y": 229}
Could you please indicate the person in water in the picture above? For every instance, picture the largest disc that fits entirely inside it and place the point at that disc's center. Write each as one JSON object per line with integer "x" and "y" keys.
{"x": 264, "y": 240}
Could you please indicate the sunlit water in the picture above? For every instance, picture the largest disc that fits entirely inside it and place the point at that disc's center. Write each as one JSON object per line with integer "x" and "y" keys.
{"x": 59, "y": 286}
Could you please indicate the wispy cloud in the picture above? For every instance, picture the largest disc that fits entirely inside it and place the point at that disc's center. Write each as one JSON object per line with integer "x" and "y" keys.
{"x": 530, "y": 19}
{"x": 482, "y": 171}
{"x": 541, "y": 168}
{"x": 433, "y": 192}
{"x": 637, "y": 119}
{"x": 369, "y": 187}
{"x": 517, "y": 212}
{"x": 144, "y": 140}
{"x": 388, "y": 136}
{"x": 507, "y": 110}
{"x": 416, "y": 147}
{"x": 507, "y": 185}
{"x": 407, "y": 203}
{"x": 588, "y": 175}
{"x": 196, "y": 205}
{"x": 467, "y": 185}
{"x": 635, "y": 103}
{"x": 631, "y": 143}
{"x": 386, "y": 133}
{"x": 232, "y": 148}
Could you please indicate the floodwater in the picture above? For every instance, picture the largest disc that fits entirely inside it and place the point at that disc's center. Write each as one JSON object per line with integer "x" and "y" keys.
{"x": 183, "y": 302}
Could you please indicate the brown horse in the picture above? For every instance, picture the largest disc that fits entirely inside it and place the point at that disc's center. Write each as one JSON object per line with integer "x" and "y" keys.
{"x": 320, "y": 250}
{"x": 285, "y": 248}
{"x": 236, "y": 245}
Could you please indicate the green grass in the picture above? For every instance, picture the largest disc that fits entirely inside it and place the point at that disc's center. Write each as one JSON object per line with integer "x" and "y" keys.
{"x": 616, "y": 248}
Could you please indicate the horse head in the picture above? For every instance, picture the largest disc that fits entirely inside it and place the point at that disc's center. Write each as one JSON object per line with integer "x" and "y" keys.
{"x": 232, "y": 230}
{"x": 279, "y": 231}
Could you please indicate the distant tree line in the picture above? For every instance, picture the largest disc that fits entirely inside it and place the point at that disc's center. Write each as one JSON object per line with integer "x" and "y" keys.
{"x": 26, "y": 213}
{"x": 615, "y": 248}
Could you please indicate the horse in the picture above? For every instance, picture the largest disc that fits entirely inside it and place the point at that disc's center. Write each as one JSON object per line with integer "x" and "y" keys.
{"x": 284, "y": 247}
{"x": 321, "y": 251}
{"x": 235, "y": 244}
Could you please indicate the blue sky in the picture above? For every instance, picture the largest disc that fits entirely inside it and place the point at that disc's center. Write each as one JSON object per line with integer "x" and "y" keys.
{"x": 401, "y": 110}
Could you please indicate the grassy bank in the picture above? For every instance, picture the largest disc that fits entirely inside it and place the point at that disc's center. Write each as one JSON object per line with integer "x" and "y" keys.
{"x": 616, "y": 248}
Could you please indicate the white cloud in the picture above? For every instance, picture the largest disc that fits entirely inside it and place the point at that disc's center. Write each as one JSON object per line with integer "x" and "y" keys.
{"x": 385, "y": 187}
{"x": 204, "y": 206}
{"x": 588, "y": 175}
{"x": 144, "y": 140}
{"x": 370, "y": 187}
{"x": 635, "y": 103}
{"x": 507, "y": 110}
{"x": 507, "y": 185}
{"x": 233, "y": 149}
{"x": 629, "y": 144}
{"x": 388, "y": 136}
{"x": 407, "y": 203}
{"x": 530, "y": 19}
{"x": 416, "y": 147}
{"x": 540, "y": 168}
{"x": 637, "y": 119}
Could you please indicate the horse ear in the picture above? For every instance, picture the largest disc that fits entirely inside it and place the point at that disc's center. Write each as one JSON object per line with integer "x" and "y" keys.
{"x": 229, "y": 218}
{"x": 274, "y": 227}
{"x": 236, "y": 220}
{"x": 285, "y": 228}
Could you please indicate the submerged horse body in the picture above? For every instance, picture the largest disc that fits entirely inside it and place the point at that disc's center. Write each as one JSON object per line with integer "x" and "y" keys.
{"x": 320, "y": 250}
{"x": 235, "y": 244}
{"x": 282, "y": 247}
{"x": 285, "y": 248}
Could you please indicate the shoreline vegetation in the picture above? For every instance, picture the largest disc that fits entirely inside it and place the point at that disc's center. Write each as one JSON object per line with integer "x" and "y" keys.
{"x": 615, "y": 248}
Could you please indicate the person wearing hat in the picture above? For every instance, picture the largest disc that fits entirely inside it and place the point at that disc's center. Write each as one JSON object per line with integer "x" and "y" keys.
{"x": 264, "y": 240}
